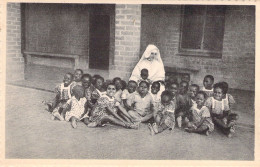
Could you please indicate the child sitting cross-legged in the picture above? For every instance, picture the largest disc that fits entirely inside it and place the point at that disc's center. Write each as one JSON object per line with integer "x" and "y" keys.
{"x": 75, "y": 109}
{"x": 105, "y": 110}
{"x": 199, "y": 119}
{"x": 164, "y": 116}
{"x": 127, "y": 95}
{"x": 220, "y": 106}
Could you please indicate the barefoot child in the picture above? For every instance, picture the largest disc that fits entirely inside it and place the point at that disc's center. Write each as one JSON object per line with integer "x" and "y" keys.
{"x": 220, "y": 106}
{"x": 143, "y": 104}
{"x": 105, "y": 110}
{"x": 208, "y": 85}
{"x": 127, "y": 95}
{"x": 200, "y": 120}
{"x": 193, "y": 90}
{"x": 164, "y": 116}
{"x": 63, "y": 94}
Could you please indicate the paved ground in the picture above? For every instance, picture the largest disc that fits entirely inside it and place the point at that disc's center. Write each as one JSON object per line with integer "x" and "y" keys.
{"x": 31, "y": 134}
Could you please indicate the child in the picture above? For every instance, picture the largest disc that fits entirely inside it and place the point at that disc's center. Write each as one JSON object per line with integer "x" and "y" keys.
{"x": 88, "y": 88}
{"x": 183, "y": 103}
{"x": 186, "y": 77}
{"x": 220, "y": 106}
{"x": 144, "y": 76}
{"x": 143, "y": 104}
{"x": 164, "y": 116}
{"x": 193, "y": 90}
{"x": 99, "y": 89}
{"x": 63, "y": 93}
{"x": 94, "y": 78}
{"x": 155, "y": 92}
{"x": 172, "y": 87}
{"x": 200, "y": 120}
{"x": 77, "y": 78}
{"x": 118, "y": 82}
{"x": 207, "y": 85}
{"x": 127, "y": 94}
{"x": 105, "y": 111}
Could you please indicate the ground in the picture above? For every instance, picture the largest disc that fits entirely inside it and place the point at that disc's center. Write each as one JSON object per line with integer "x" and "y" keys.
{"x": 31, "y": 134}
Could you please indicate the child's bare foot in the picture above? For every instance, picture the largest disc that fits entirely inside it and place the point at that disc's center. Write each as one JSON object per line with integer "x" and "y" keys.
{"x": 155, "y": 128}
{"x": 207, "y": 133}
{"x": 151, "y": 129}
{"x": 74, "y": 123}
{"x": 57, "y": 115}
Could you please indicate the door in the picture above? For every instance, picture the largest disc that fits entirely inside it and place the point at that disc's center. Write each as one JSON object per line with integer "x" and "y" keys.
{"x": 99, "y": 42}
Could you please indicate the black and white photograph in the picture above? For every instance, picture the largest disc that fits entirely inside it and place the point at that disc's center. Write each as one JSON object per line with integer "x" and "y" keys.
{"x": 129, "y": 81}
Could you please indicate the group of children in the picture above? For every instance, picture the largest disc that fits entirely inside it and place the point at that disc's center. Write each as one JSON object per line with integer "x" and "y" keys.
{"x": 161, "y": 104}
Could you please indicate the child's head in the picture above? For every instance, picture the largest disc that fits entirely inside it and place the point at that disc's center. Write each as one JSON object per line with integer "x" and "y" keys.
{"x": 185, "y": 77}
{"x": 219, "y": 91}
{"x": 111, "y": 89}
{"x": 155, "y": 88}
{"x": 131, "y": 87}
{"x": 124, "y": 84}
{"x": 208, "y": 81}
{"x": 78, "y": 91}
{"x": 99, "y": 82}
{"x": 225, "y": 84}
{"x": 200, "y": 98}
{"x": 77, "y": 75}
{"x": 193, "y": 90}
{"x": 166, "y": 97}
{"x": 68, "y": 77}
{"x": 94, "y": 77}
{"x": 144, "y": 73}
{"x": 143, "y": 87}
{"x": 118, "y": 82}
{"x": 183, "y": 89}
{"x": 172, "y": 87}
{"x": 86, "y": 80}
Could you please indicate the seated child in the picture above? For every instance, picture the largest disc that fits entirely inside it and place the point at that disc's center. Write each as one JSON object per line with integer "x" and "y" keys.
{"x": 88, "y": 88}
{"x": 75, "y": 109}
{"x": 94, "y": 78}
{"x": 186, "y": 77}
{"x": 143, "y": 104}
{"x": 105, "y": 110}
{"x": 144, "y": 76}
{"x": 99, "y": 89}
{"x": 172, "y": 87}
{"x": 193, "y": 90}
{"x": 77, "y": 78}
{"x": 183, "y": 103}
{"x": 200, "y": 120}
{"x": 155, "y": 92}
{"x": 208, "y": 85}
{"x": 63, "y": 93}
{"x": 127, "y": 94}
{"x": 164, "y": 116}
{"x": 220, "y": 107}
{"x": 118, "y": 82}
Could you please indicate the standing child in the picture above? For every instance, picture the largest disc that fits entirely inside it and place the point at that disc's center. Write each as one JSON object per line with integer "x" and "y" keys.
{"x": 183, "y": 103}
{"x": 63, "y": 94}
{"x": 200, "y": 120}
{"x": 144, "y": 76}
{"x": 164, "y": 116}
{"x": 143, "y": 104}
{"x": 193, "y": 90}
{"x": 220, "y": 106}
{"x": 208, "y": 82}
{"x": 127, "y": 95}
{"x": 155, "y": 92}
{"x": 105, "y": 110}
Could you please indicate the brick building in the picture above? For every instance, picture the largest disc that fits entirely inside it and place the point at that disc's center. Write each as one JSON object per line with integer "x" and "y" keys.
{"x": 113, "y": 37}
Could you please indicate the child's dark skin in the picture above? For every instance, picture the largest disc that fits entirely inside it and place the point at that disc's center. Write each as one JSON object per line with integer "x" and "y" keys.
{"x": 155, "y": 87}
{"x": 208, "y": 83}
{"x": 131, "y": 88}
{"x": 144, "y": 75}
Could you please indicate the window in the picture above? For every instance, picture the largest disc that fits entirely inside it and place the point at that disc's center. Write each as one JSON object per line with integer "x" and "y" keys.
{"x": 202, "y": 30}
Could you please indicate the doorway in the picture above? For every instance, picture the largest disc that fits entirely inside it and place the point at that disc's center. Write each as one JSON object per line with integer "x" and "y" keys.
{"x": 99, "y": 42}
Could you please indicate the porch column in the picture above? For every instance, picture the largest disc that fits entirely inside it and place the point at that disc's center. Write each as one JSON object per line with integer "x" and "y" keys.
{"x": 14, "y": 57}
{"x": 127, "y": 40}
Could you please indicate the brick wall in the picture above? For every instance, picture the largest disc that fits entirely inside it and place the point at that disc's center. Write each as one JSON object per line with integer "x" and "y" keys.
{"x": 14, "y": 58}
{"x": 127, "y": 40}
{"x": 161, "y": 26}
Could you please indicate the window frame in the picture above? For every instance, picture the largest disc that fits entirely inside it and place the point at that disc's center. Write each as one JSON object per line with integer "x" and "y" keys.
{"x": 199, "y": 52}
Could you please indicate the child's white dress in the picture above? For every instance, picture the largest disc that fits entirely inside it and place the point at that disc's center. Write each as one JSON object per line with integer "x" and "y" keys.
{"x": 208, "y": 92}
{"x": 77, "y": 108}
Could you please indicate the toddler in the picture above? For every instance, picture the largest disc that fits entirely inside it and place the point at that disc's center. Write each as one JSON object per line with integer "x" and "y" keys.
{"x": 208, "y": 85}
{"x": 164, "y": 116}
{"x": 75, "y": 108}
{"x": 200, "y": 120}
{"x": 155, "y": 92}
{"x": 144, "y": 76}
{"x": 63, "y": 93}
{"x": 183, "y": 103}
{"x": 143, "y": 104}
{"x": 105, "y": 110}
{"x": 127, "y": 95}
{"x": 193, "y": 90}
{"x": 220, "y": 107}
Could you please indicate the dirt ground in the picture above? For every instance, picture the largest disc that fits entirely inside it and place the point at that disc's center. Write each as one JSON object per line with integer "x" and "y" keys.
{"x": 31, "y": 134}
